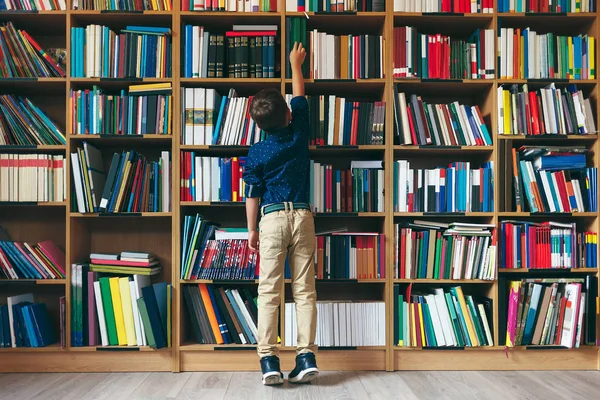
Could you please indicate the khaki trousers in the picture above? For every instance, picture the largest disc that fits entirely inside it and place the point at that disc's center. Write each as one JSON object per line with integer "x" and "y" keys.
{"x": 288, "y": 233}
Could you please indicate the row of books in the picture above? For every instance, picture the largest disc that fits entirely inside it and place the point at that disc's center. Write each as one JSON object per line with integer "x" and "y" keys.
{"x": 137, "y": 52}
{"x": 458, "y": 188}
{"x": 546, "y": 111}
{"x": 444, "y": 6}
{"x": 247, "y": 51}
{"x": 138, "y": 263}
{"x": 526, "y": 54}
{"x": 230, "y": 5}
{"x": 196, "y": 233}
{"x": 334, "y": 6}
{"x": 543, "y": 245}
{"x": 341, "y": 323}
{"x": 21, "y": 260}
{"x": 227, "y": 256}
{"x": 553, "y": 6}
{"x": 442, "y": 318}
{"x": 345, "y": 255}
{"x": 220, "y": 315}
{"x": 417, "y": 122}
{"x": 117, "y": 311}
{"x": 437, "y": 250}
{"x": 32, "y": 177}
{"x": 25, "y": 323}
{"x": 32, "y": 5}
{"x": 358, "y": 189}
{"x": 212, "y": 119}
{"x": 554, "y": 179}
{"x": 133, "y": 183}
{"x": 22, "y": 123}
{"x": 551, "y": 312}
{"x": 436, "y": 56}
{"x": 141, "y": 110}
{"x": 338, "y": 121}
{"x": 22, "y": 56}
{"x": 129, "y": 5}
{"x": 211, "y": 178}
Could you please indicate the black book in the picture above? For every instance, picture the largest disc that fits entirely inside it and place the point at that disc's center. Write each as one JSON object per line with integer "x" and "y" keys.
{"x": 591, "y": 290}
{"x": 212, "y": 56}
{"x": 151, "y": 113}
{"x": 231, "y": 57}
{"x": 258, "y": 58}
{"x": 252, "y": 57}
{"x": 192, "y": 311}
{"x": 220, "y": 56}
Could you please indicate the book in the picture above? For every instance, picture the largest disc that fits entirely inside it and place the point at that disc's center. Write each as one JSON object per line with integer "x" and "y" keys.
{"x": 446, "y": 6}
{"x": 584, "y": 6}
{"x": 231, "y": 6}
{"x": 212, "y": 178}
{"x": 30, "y": 324}
{"x": 337, "y": 6}
{"x": 32, "y": 178}
{"x": 33, "y": 5}
{"x": 161, "y": 5}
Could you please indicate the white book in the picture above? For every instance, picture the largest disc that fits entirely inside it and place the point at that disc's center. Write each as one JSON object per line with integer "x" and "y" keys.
{"x": 436, "y": 321}
{"x": 75, "y": 167}
{"x": 206, "y": 184}
{"x": 214, "y": 179}
{"x": 11, "y": 301}
{"x": 135, "y": 311}
{"x": 245, "y": 313}
{"x": 570, "y": 319}
{"x": 189, "y": 116}
{"x": 197, "y": 181}
{"x": 444, "y": 316}
{"x": 141, "y": 281}
{"x": 101, "y": 317}
{"x": 380, "y": 195}
{"x": 579, "y": 332}
{"x": 404, "y": 118}
{"x": 288, "y": 324}
{"x": 331, "y": 120}
{"x": 196, "y": 51}
{"x": 199, "y": 110}
{"x": 98, "y": 51}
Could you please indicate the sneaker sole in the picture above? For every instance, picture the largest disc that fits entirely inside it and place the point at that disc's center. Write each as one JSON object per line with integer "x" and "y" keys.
{"x": 305, "y": 376}
{"x": 272, "y": 380}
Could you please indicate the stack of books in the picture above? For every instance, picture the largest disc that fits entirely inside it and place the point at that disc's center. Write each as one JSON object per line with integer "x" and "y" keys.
{"x": 23, "y": 57}
{"x": 133, "y": 183}
{"x": 526, "y": 54}
{"x": 341, "y": 323}
{"x": 458, "y": 188}
{"x": 220, "y": 315}
{"x": 32, "y": 177}
{"x": 137, "y": 52}
{"x": 554, "y": 179}
{"x": 436, "y": 250}
{"x": 117, "y": 311}
{"x": 442, "y": 318}
{"x": 247, "y": 51}
{"x": 230, "y": 5}
{"x": 144, "y": 109}
{"x": 334, "y": 6}
{"x": 436, "y": 56}
{"x": 32, "y": 5}
{"x": 24, "y": 323}
{"x": 22, "y": 123}
{"x": 212, "y": 178}
{"x": 357, "y": 189}
{"x": 551, "y": 312}
{"x": 350, "y": 255}
{"x": 125, "y": 263}
{"x": 445, "y": 6}
{"x": 338, "y": 121}
{"x": 546, "y": 111}
{"x": 212, "y": 119}
{"x": 526, "y": 244}
{"x": 44, "y": 260}
{"x": 560, "y": 6}
{"x": 417, "y": 122}
{"x": 156, "y": 5}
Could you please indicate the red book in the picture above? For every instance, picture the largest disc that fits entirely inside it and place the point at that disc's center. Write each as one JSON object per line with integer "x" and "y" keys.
{"x": 235, "y": 179}
{"x": 354, "y": 132}
{"x": 273, "y": 5}
{"x": 411, "y": 124}
{"x": 562, "y": 190}
{"x": 382, "y": 256}
{"x": 185, "y": 5}
{"x": 328, "y": 187}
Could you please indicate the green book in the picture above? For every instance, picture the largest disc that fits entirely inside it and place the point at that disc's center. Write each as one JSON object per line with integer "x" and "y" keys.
{"x": 428, "y": 323}
{"x": 457, "y": 330}
{"x": 448, "y": 260}
{"x": 146, "y": 322}
{"x": 400, "y": 308}
{"x": 438, "y": 255}
{"x": 475, "y": 318}
{"x": 109, "y": 313}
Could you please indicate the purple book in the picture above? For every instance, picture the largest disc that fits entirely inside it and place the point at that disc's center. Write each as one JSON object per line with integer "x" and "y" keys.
{"x": 92, "y": 315}
{"x": 63, "y": 307}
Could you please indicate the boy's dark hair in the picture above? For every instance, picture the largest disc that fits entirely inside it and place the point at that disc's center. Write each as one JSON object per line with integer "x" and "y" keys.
{"x": 269, "y": 110}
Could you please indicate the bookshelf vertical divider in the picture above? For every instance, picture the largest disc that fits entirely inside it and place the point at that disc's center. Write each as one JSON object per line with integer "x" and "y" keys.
{"x": 79, "y": 242}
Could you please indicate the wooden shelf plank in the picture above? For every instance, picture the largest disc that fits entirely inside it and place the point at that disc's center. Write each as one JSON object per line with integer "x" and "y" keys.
{"x": 33, "y": 281}
{"x": 127, "y": 349}
{"x": 449, "y": 215}
{"x": 32, "y": 203}
{"x": 547, "y": 215}
{"x": 549, "y": 271}
{"x": 442, "y": 149}
{"x": 122, "y": 215}
{"x": 223, "y": 14}
{"x": 49, "y": 348}
{"x": 541, "y": 138}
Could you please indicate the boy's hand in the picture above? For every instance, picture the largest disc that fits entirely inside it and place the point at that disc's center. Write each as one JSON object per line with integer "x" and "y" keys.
{"x": 297, "y": 55}
{"x": 253, "y": 240}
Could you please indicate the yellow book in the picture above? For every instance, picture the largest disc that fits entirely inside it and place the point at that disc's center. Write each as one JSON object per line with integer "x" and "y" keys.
{"x": 507, "y": 112}
{"x": 123, "y": 186}
{"x": 86, "y": 178}
{"x": 422, "y": 324}
{"x": 466, "y": 315}
{"x": 571, "y": 58}
{"x": 592, "y": 57}
{"x": 127, "y": 311}
{"x": 149, "y": 87}
{"x": 115, "y": 294}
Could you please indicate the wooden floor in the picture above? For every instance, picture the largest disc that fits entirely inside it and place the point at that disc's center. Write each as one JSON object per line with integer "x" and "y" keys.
{"x": 329, "y": 385}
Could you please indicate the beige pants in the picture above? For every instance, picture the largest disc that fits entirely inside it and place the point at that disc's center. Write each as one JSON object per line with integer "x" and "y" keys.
{"x": 288, "y": 233}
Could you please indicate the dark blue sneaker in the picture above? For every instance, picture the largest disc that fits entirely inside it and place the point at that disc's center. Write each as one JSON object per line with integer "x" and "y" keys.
{"x": 306, "y": 369}
{"x": 271, "y": 372}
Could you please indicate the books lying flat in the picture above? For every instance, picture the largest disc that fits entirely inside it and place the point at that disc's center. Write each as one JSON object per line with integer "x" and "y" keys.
{"x": 117, "y": 269}
{"x": 23, "y": 123}
{"x": 24, "y": 323}
{"x": 24, "y": 261}
{"x": 32, "y": 177}
{"x": 347, "y": 255}
{"x": 341, "y": 323}
{"x": 441, "y": 318}
{"x": 212, "y": 178}
{"x": 583, "y": 6}
{"x": 231, "y": 6}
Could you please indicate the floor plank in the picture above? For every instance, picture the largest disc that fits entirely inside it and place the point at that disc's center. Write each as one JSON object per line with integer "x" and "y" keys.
{"x": 117, "y": 386}
{"x": 383, "y": 386}
{"x": 205, "y": 385}
{"x": 25, "y": 386}
{"x": 248, "y": 386}
{"x": 161, "y": 386}
{"x": 71, "y": 386}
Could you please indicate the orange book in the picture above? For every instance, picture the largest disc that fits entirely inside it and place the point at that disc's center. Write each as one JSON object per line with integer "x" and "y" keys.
{"x": 336, "y": 121}
{"x": 211, "y": 312}
{"x": 343, "y": 57}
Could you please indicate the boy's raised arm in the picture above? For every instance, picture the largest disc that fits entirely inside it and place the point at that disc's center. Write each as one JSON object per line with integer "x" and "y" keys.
{"x": 297, "y": 56}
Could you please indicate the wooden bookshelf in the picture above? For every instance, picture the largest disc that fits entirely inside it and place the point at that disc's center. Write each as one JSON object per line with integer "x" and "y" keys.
{"x": 79, "y": 234}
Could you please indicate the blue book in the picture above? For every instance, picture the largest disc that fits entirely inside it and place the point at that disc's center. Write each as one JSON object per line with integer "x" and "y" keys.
{"x": 240, "y": 316}
{"x": 187, "y": 66}
{"x": 148, "y": 29}
{"x": 117, "y": 181}
{"x": 220, "y": 320}
{"x": 154, "y": 316}
{"x": 28, "y": 325}
{"x": 536, "y": 296}
{"x": 160, "y": 293}
{"x": 215, "y": 138}
{"x": 577, "y": 55}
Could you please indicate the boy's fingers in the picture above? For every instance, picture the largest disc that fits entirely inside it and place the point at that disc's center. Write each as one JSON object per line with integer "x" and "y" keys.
{"x": 295, "y": 46}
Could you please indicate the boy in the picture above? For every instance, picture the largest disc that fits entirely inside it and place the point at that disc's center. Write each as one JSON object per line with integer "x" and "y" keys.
{"x": 277, "y": 179}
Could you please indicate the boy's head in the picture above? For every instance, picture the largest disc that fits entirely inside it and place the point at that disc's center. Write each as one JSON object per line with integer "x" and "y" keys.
{"x": 269, "y": 110}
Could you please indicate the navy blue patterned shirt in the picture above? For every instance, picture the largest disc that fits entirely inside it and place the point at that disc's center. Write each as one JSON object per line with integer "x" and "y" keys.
{"x": 277, "y": 169}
